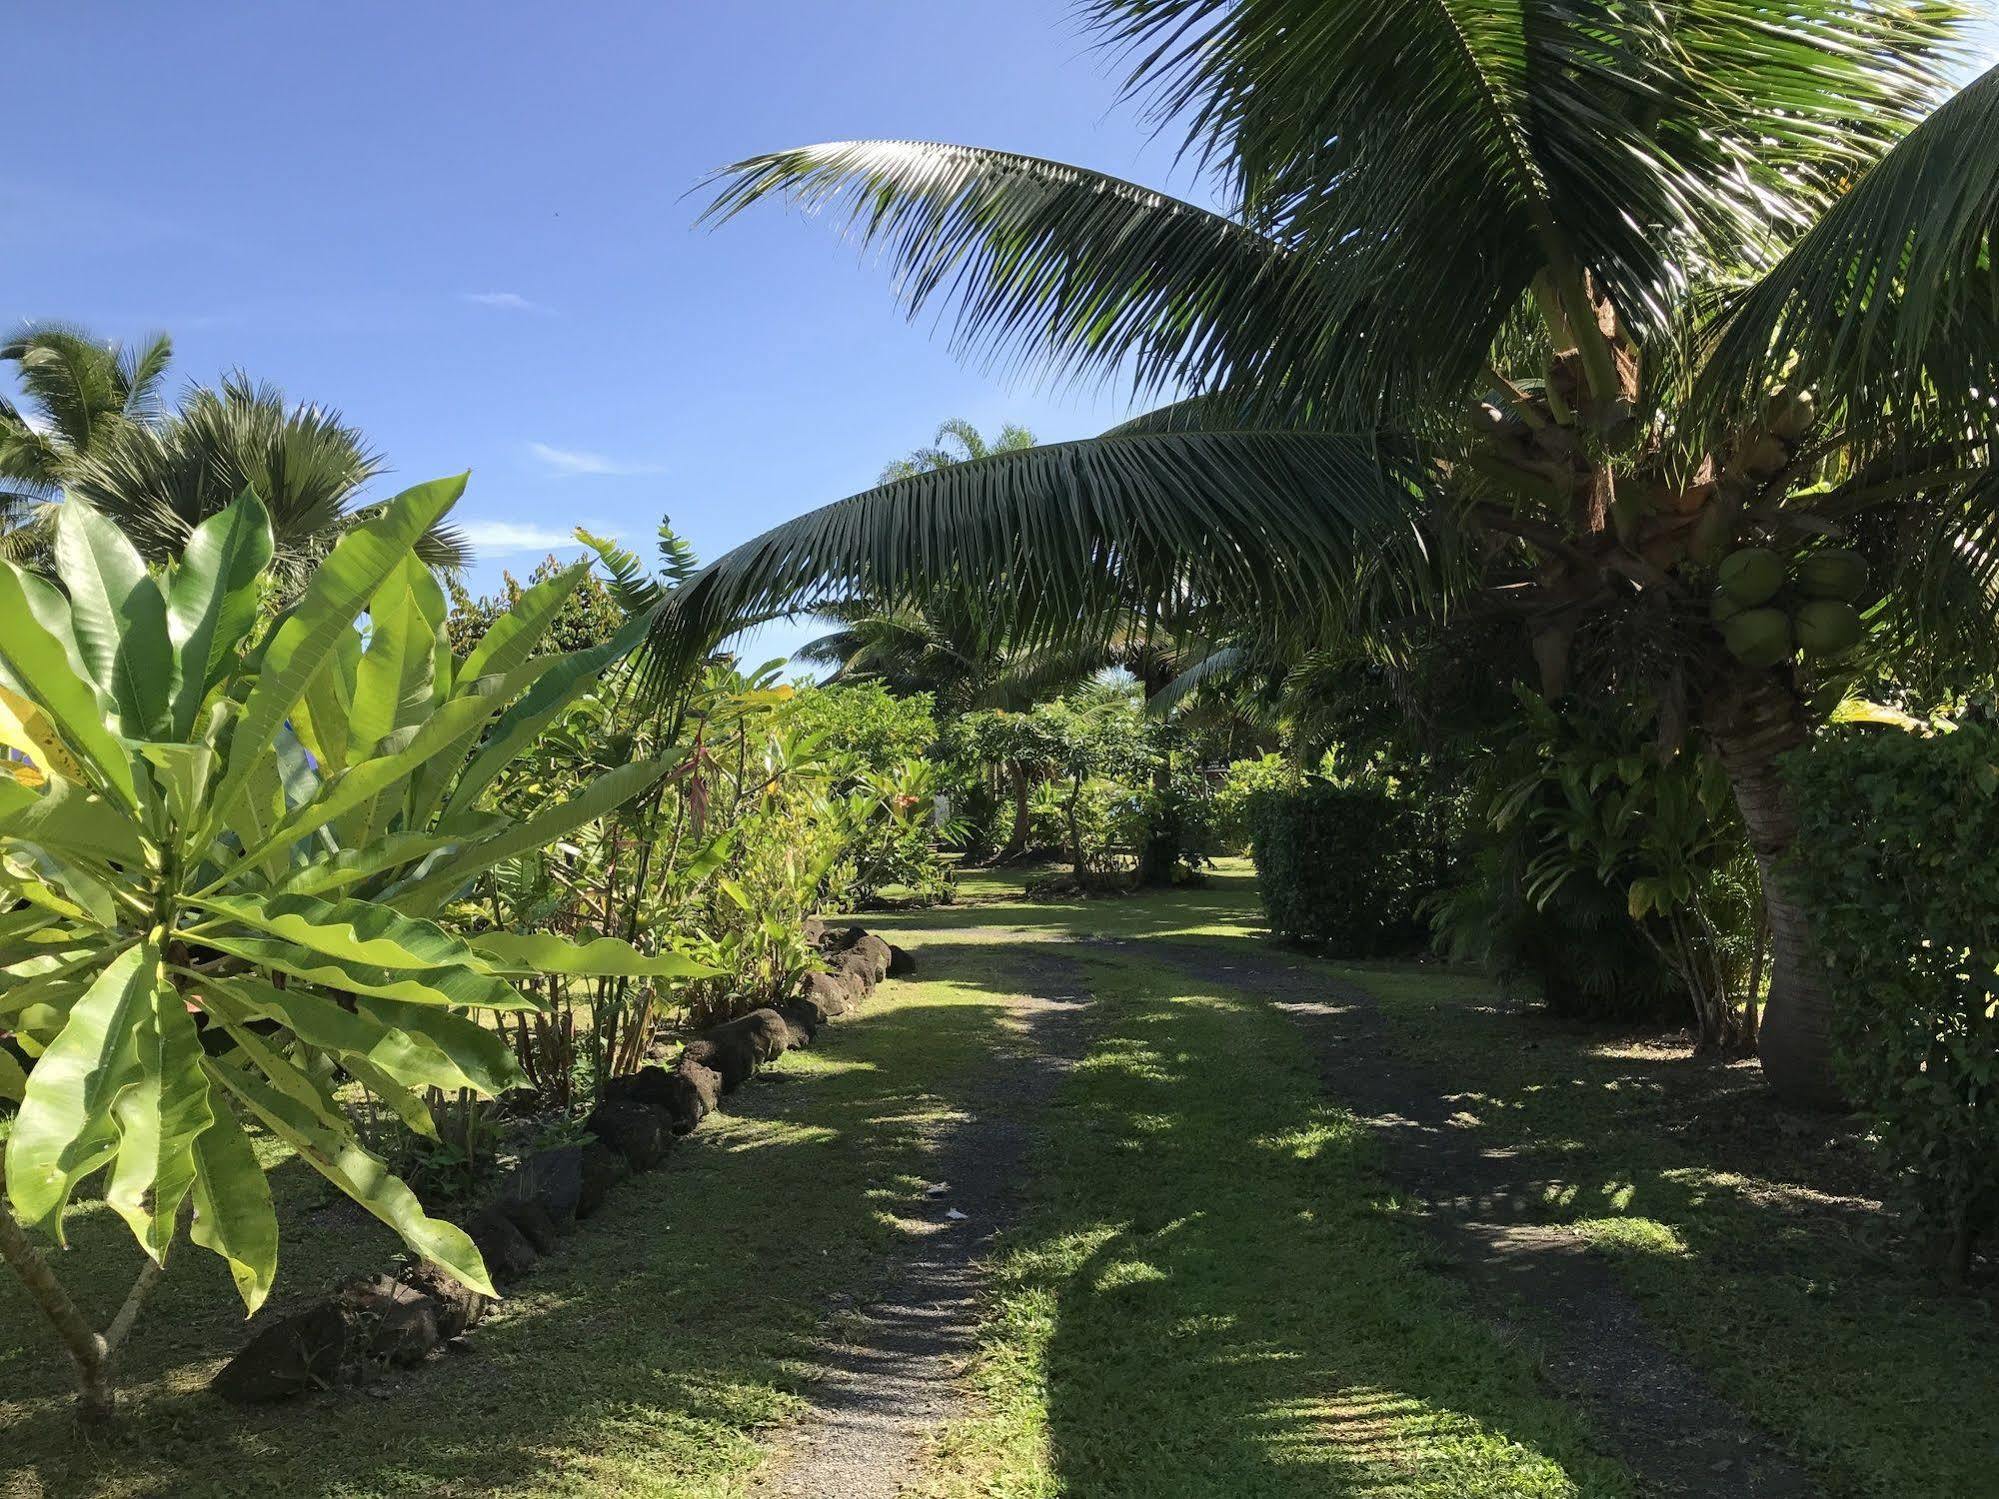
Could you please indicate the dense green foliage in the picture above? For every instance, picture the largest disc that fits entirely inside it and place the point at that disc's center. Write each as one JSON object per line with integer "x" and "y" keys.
{"x": 1703, "y": 424}
{"x": 1898, "y": 863}
{"x": 1340, "y": 866}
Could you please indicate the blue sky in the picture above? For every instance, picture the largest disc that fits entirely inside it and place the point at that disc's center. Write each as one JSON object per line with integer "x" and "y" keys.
{"x": 467, "y": 227}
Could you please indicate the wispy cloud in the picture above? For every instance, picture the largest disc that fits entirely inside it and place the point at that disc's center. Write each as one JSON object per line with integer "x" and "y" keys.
{"x": 570, "y": 461}
{"x": 497, "y": 536}
{"x": 506, "y": 301}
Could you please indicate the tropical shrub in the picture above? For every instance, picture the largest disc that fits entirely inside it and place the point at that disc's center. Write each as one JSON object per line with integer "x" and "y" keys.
{"x": 999, "y": 758}
{"x": 1897, "y": 861}
{"x": 1574, "y": 945}
{"x": 1601, "y": 803}
{"x": 1339, "y": 864}
{"x": 1241, "y": 783}
{"x": 223, "y": 848}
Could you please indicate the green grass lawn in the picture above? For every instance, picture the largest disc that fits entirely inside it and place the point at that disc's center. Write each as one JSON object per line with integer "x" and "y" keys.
{"x": 644, "y": 1359}
{"x": 1210, "y": 1292}
{"x": 1755, "y": 1239}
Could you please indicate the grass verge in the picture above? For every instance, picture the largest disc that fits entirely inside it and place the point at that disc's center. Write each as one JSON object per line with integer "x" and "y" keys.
{"x": 643, "y": 1359}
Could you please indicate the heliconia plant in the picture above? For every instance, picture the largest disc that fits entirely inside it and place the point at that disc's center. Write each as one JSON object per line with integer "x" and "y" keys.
{"x": 225, "y": 838}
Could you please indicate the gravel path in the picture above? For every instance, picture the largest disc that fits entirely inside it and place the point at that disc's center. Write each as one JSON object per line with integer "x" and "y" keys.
{"x": 1651, "y": 1407}
{"x": 890, "y": 1381}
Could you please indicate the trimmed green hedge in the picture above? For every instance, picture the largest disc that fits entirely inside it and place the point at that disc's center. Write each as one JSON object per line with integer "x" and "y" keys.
{"x": 1898, "y": 864}
{"x": 1343, "y": 867}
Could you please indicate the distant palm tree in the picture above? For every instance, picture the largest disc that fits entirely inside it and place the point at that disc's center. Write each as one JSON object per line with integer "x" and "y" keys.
{"x": 95, "y": 426}
{"x": 80, "y": 393}
{"x": 969, "y": 445}
{"x": 160, "y": 481}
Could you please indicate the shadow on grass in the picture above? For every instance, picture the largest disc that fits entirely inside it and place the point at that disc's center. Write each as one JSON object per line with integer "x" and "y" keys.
{"x": 646, "y": 1355}
{"x": 1223, "y": 1301}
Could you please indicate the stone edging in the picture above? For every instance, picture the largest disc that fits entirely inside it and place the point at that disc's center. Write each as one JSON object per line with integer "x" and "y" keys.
{"x": 398, "y": 1319}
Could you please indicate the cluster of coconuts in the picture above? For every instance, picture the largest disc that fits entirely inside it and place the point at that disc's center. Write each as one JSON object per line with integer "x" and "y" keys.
{"x": 1767, "y": 611}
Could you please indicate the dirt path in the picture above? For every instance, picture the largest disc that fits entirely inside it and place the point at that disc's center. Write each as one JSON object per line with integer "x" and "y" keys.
{"x": 890, "y": 1380}
{"x": 1652, "y": 1408}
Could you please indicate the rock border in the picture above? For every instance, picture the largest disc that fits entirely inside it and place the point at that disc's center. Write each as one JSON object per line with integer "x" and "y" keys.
{"x": 398, "y": 1319}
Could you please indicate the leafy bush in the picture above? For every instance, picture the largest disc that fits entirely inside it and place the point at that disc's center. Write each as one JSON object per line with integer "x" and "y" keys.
{"x": 1587, "y": 805}
{"x": 221, "y": 855}
{"x": 1897, "y": 861}
{"x": 1575, "y": 945}
{"x": 1240, "y": 786}
{"x": 1341, "y": 865}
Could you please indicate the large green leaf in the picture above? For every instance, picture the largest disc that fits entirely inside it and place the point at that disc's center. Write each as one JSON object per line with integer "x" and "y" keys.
{"x": 356, "y": 866}
{"x": 568, "y": 677}
{"x": 605, "y": 794}
{"x": 456, "y": 1044}
{"x": 159, "y": 1118}
{"x": 354, "y": 931}
{"x": 544, "y": 952}
{"x": 452, "y": 1052}
{"x": 362, "y": 782}
{"x": 233, "y": 1215}
{"x": 424, "y": 986}
{"x": 511, "y": 638}
{"x": 364, "y": 558}
{"x": 71, "y": 820}
{"x": 496, "y": 690}
{"x": 323, "y": 715}
{"x": 39, "y": 663}
{"x": 13, "y": 1081}
{"x": 392, "y": 683}
{"x": 119, "y": 615}
{"x": 65, "y": 1129}
{"x": 360, "y": 1175}
{"x": 213, "y": 596}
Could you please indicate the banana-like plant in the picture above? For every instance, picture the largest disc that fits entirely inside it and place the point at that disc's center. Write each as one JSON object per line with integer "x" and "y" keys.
{"x": 224, "y": 842}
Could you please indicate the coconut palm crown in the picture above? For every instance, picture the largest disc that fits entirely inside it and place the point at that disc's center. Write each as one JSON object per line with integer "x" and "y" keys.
{"x": 1516, "y": 308}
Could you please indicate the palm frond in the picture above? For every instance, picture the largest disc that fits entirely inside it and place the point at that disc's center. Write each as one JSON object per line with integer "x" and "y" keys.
{"x": 1440, "y": 154}
{"x": 1891, "y": 303}
{"x": 142, "y": 371}
{"x": 1056, "y": 540}
{"x": 1064, "y": 269}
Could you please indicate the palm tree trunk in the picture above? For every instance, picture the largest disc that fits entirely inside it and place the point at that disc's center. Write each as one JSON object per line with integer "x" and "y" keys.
{"x": 1751, "y": 723}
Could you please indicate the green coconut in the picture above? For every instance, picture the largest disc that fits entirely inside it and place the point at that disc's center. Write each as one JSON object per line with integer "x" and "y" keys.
{"x": 1710, "y": 533}
{"x": 1723, "y": 607}
{"x": 1833, "y": 574}
{"x": 1826, "y": 627}
{"x": 1758, "y": 637}
{"x": 1751, "y": 576}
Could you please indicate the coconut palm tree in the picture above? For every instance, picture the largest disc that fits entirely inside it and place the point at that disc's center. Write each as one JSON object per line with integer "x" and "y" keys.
{"x": 79, "y": 393}
{"x": 1519, "y": 309}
